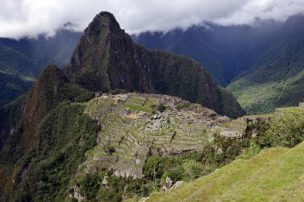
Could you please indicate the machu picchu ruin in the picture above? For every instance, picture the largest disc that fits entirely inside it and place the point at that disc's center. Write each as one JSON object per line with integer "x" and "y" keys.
{"x": 135, "y": 126}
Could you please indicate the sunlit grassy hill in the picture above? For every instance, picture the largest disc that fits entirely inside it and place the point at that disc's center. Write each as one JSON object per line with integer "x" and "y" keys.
{"x": 275, "y": 174}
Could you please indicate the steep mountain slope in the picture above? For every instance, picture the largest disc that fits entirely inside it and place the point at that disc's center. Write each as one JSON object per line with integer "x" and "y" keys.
{"x": 59, "y": 133}
{"x": 278, "y": 82}
{"x": 106, "y": 58}
{"x": 227, "y": 53}
{"x": 38, "y": 130}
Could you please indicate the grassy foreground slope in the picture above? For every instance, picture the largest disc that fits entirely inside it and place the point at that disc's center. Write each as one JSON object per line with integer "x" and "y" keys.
{"x": 275, "y": 174}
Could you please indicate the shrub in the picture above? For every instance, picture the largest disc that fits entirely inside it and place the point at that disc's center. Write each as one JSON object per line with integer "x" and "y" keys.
{"x": 193, "y": 169}
{"x": 161, "y": 107}
{"x": 287, "y": 129}
{"x": 90, "y": 186}
{"x": 109, "y": 149}
{"x": 253, "y": 150}
{"x": 182, "y": 106}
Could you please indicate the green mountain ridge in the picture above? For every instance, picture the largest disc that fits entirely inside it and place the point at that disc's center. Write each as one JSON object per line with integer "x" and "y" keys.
{"x": 262, "y": 64}
{"x": 279, "y": 78}
{"x": 228, "y": 53}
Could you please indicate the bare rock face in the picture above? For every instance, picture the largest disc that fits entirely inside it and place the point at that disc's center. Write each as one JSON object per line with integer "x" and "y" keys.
{"x": 106, "y": 58}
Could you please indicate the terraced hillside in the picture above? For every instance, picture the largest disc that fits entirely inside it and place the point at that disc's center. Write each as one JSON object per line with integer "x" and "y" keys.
{"x": 136, "y": 126}
{"x": 111, "y": 147}
{"x": 271, "y": 174}
{"x": 275, "y": 174}
{"x": 127, "y": 146}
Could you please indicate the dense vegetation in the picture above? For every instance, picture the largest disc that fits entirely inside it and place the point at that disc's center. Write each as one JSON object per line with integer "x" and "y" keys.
{"x": 262, "y": 133}
{"x": 272, "y": 174}
{"x": 186, "y": 167}
{"x": 64, "y": 136}
{"x": 48, "y": 169}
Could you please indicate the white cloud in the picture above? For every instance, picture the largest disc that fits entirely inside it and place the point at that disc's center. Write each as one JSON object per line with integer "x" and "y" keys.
{"x": 19, "y": 18}
{"x": 278, "y": 10}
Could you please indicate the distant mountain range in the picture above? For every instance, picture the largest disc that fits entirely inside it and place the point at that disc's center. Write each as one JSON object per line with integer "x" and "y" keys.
{"x": 278, "y": 78}
{"x": 225, "y": 51}
{"x": 22, "y": 60}
{"x": 262, "y": 63}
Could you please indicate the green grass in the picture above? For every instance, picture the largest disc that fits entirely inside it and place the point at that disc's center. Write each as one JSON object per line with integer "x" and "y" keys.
{"x": 275, "y": 174}
{"x": 256, "y": 98}
{"x": 139, "y": 104}
{"x": 263, "y": 97}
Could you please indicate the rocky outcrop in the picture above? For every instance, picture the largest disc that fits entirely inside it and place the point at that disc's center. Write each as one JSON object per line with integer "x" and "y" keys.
{"x": 106, "y": 58}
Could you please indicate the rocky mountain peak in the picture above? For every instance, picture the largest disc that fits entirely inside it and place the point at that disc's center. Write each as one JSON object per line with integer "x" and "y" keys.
{"x": 107, "y": 59}
{"x": 104, "y": 20}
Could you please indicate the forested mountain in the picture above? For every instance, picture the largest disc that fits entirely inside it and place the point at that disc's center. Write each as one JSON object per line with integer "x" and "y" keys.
{"x": 265, "y": 59}
{"x": 225, "y": 51}
{"x": 277, "y": 81}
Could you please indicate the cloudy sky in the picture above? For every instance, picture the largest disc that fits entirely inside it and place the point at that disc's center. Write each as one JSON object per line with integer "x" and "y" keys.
{"x": 19, "y": 18}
